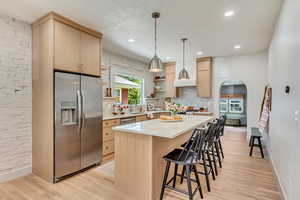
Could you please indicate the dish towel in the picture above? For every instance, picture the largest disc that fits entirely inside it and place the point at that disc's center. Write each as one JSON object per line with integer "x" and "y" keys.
{"x": 263, "y": 123}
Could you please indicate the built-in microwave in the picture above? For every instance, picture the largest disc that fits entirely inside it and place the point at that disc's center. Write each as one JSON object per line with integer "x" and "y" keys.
{"x": 236, "y": 105}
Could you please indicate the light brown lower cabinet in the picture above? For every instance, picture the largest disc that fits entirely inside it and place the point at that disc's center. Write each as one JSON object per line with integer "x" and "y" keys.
{"x": 108, "y": 135}
{"x": 141, "y": 118}
{"x": 108, "y": 147}
{"x": 156, "y": 115}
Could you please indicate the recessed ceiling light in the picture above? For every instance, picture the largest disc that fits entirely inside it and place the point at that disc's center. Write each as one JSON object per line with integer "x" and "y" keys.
{"x": 131, "y": 40}
{"x": 237, "y": 46}
{"x": 199, "y": 53}
{"x": 168, "y": 58}
{"x": 229, "y": 13}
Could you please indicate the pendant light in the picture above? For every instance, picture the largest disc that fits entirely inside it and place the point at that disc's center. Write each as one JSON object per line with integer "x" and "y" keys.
{"x": 183, "y": 74}
{"x": 155, "y": 64}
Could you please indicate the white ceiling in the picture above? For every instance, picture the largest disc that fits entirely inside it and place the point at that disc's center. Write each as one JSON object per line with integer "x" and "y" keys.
{"x": 202, "y": 21}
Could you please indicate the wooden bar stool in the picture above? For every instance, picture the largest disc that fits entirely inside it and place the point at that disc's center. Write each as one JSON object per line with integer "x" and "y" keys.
{"x": 206, "y": 157}
{"x": 188, "y": 157}
{"x": 223, "y": 121}
{"x": 256, "y": 135}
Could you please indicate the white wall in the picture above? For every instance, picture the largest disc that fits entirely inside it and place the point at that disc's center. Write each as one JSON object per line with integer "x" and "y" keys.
{"x": 15, "y": 98}
{"x": 127, "y": 66}
{"x": 284, "y": 69}
{"x": 251, "y": 69}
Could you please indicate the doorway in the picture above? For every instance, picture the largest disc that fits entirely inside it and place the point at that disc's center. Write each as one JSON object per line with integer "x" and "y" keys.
{"x": 233, "y": 103}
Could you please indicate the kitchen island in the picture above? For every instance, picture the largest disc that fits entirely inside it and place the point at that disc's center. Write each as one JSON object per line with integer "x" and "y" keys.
{"x": 139, "y": 151}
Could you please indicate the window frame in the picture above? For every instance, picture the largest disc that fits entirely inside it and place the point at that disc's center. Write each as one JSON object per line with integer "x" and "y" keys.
{"x": 142, "y": 88}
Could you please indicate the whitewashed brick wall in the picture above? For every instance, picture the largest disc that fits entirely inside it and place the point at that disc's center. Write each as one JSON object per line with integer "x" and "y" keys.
{"x": 15, "y": 97}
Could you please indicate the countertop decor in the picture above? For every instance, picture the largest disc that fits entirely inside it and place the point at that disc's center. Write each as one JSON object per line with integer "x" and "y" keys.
{"x": 108, "y": 117}
{"x": 166, "y": 130}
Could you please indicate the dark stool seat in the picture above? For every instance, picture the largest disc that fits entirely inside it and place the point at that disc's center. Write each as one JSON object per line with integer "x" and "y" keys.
{"x": 180, "y": 157}
{"x": 256, "y": 135}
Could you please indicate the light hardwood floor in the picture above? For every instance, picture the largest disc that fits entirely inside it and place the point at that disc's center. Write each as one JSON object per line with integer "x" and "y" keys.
{"x": 241, "y": 178}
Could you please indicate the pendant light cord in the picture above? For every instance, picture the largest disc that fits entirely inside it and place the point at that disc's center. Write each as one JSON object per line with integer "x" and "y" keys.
{"x": 183, "y": 54}
{"x": 155, "y": 36}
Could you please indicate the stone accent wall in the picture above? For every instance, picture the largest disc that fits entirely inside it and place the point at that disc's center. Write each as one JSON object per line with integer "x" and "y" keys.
{"x": 15, "y": 98}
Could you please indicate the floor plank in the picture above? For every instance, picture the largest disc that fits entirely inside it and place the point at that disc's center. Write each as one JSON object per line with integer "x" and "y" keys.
{"x": 241, "y": 178}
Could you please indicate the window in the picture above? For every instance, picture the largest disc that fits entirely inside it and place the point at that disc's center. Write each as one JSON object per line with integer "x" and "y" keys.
{"x": 128, "y": 89}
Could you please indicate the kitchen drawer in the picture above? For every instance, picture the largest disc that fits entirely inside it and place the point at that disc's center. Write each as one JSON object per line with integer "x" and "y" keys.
{"x": 110, "y": 123}
{"x": 141, "y": 118}
{"x": 156, "y": 115}
{"x": 108, "y": 147}
{"x": 108, "y": 134}
{"x": 165, "y": 113}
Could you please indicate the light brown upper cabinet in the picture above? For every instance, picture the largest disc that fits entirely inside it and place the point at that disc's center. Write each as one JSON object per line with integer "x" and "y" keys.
{"x": 204, "y": 77}
{"x": 75, "y": 50}
{"x": 67, "y": 48}
{"x": 170, "y": 73}
{"x": 90, "y": 54}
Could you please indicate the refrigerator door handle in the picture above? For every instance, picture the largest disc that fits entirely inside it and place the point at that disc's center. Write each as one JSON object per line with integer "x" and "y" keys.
{"x": 79, "y": 104}
{"x": 83, "y": 103}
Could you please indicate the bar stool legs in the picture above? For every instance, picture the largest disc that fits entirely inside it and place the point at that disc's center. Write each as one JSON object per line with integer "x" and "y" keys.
{"x": 182, "y": 174}
{"x": 260, "y": 147}
{"x": 205, "y": 157}
{"x": 188, "y": 169}
{"x": 221, "y": 148}
{"x": 165, "y": 180}
{"x": 215, "y": 161}
{"x": 216, "y": 145}
{"x": 250, "y": 141}
{"x": 206, "y": 171}
{"x": 210, "y": 165}
{"x": 252, "y": 144}
{"x": 189, "y": 184}
{"x": 198, "y": 181}
{"x": 175, "y": 175}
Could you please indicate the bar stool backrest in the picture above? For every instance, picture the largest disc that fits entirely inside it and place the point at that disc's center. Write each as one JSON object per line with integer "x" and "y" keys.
{"x": 211, "y": 134}
{"x": 200, "y": 143}
{"x": 223, "y": 121}
{"x": 218, "y": 129}
{"x": 193, "y": 146}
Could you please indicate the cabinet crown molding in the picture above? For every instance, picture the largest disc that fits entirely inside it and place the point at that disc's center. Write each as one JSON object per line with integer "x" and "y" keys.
{"x": 169, "y": 63}
{"x": 57, "y": 17}
{"x": 204, "y": 59}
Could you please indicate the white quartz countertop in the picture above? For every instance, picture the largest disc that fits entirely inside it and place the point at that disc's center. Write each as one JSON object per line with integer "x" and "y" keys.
{"x": 108, "y": 117}
{"x": 163, "y": 129}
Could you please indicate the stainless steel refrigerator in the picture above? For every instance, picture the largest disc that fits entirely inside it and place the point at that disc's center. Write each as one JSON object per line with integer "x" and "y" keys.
{"x": 78, "y": 123}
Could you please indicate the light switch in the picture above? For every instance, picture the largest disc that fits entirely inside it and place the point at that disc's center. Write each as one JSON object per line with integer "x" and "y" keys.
{"x": 296, "y": 117}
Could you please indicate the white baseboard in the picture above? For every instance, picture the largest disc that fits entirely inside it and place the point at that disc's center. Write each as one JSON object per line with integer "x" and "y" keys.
{"x": 15, "y": 174}
{"x": 279, "y": 182}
